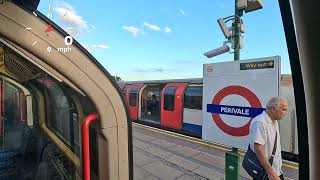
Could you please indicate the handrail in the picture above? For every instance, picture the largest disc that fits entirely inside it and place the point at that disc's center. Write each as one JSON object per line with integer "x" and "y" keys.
{"x": 86, "y": 146}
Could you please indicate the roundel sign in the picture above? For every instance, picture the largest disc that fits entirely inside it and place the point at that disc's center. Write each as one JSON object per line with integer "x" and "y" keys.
{"x": 216, "y": 108}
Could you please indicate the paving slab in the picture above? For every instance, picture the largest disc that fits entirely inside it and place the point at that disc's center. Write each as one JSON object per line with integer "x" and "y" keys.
{"x": 186, "y": 177}
{"x": 140, "y": 144}
{"x": 187, "y": 164}
{"x": 162, "y": 171}
{"x": 139, "y": 173}
{"x": 209, "y": 173}
{"x": 210, "y": 160}
{"x": 158, "y": 152}
{"x": 140, "y": 158}
{"x": 143, "y": 136}
{"x": 151, "y": 177}
{"x": 184, "y": 150}
{"x": 163, "y": 143}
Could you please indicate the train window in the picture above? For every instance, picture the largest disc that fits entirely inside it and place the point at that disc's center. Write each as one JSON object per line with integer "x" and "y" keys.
{"x": 193, "y": 98}
{"x": 62, "y": 115}
{"x": 169, "y": 93}
{"x": 12, "y": 100}
{"x": 133, "y": 96}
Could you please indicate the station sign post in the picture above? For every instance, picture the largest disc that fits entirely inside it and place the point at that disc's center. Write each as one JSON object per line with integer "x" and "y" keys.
{"x": 234, "y": 93}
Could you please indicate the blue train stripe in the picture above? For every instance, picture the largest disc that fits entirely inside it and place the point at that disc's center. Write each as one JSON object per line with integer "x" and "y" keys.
{"x": 234, "y": 110}
{"x": 192, "y": 128}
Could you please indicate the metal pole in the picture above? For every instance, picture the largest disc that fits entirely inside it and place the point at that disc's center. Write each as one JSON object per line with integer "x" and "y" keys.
{"x": 232, "y": 159}
{"x": 236, "y": 31}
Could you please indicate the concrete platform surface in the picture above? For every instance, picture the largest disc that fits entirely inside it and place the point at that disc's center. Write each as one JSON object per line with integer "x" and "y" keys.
{"x": 159, "y": 155}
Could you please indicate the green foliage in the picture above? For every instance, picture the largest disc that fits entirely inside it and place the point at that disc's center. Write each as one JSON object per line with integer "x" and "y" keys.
{"x": 117, "y": 78}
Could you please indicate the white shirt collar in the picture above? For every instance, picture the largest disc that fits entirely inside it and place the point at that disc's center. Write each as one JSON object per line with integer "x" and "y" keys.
{"x": 267, "y": 117}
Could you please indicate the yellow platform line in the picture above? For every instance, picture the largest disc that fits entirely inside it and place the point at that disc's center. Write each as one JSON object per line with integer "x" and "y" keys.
{"x": 287, "y": 164}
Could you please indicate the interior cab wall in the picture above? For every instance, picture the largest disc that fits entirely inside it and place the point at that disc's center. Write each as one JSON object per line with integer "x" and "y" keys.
{"x": 299, "y": 20}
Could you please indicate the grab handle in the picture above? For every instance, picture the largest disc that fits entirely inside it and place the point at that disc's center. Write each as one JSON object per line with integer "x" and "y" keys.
{"x": 86, "y": 145}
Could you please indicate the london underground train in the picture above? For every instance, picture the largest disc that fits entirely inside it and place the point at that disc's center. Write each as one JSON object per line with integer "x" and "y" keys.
{"x": 177, "y": 106}
{"x": 61, "y": 114}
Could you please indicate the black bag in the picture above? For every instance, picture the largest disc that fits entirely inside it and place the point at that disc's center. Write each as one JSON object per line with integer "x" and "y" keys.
{"x": 252, "y": 164}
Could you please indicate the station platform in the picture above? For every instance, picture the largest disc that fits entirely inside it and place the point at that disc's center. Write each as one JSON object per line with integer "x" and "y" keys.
{"x": 159, "y": 154}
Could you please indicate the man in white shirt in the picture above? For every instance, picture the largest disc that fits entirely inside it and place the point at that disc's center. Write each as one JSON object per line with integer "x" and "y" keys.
{"x": 262, "y": 135}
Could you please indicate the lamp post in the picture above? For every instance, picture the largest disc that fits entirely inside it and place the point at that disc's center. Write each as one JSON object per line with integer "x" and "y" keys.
{"x": 236, "y": 31}
{"x": 232, "y": 159}
{"x": 232, "y": 166}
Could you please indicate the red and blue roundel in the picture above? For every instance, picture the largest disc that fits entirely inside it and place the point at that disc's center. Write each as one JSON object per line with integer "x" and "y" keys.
{"x": 216, "y": 109}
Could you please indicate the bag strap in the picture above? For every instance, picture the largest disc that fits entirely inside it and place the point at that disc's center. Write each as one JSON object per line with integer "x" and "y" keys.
{"x": 274, "y": 148}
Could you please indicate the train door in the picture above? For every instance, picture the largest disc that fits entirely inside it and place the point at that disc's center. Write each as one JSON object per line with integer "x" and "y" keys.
{"x": 150, "y": 103}
{"x": 192, "y": 110}
{"x": 142, "y": 102}
{"x": 171, "y": 105}
{"x": 132, "y": 99}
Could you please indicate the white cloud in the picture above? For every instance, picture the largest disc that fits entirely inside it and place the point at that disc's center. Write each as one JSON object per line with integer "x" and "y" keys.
{"x": 69, "y": 16}
{"x": 152, "y": 70}
{"x": 134, "y": 30}
{"x": 167, "y": 29}
{"x": 73, "y": 31}
{"x": 182, "y": 12}
{"x": 96, "y": 46}
{"x": 101, "y": 46}
{"x": 152, "y": 26}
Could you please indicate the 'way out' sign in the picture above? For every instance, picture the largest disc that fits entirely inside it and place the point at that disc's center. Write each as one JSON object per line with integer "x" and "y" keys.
{"x": 234, "y": 93}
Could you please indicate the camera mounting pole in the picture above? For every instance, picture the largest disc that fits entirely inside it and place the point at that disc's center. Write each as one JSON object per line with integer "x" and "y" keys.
{"x": 236, "y": 31}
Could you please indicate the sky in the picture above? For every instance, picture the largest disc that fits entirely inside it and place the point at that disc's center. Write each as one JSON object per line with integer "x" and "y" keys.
{"x": 165, "y": 39}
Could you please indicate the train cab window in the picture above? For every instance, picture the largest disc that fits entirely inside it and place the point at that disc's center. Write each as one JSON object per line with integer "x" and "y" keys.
{"x": 193, "y": 97}
{"x": 61, "y": 115}
{"x": 133, "y": 97}
{"x": 124, "y": 90}
{"x": 169, "y": 93}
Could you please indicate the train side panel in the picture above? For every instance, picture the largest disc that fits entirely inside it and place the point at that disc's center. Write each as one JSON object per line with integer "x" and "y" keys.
{"x": 171, "y": 105}
{"x": 288, "y": 126}
{"x": 192, "y": 110}
{"x": 192, "y": 121}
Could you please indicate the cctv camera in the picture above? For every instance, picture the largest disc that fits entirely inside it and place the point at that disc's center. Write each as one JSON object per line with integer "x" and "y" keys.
{"x": 224, "y": 28}
{"x": 225, "y": 48}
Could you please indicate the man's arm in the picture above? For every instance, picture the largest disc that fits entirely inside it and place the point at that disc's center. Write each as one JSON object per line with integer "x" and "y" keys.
{"x": 259, "y": 149}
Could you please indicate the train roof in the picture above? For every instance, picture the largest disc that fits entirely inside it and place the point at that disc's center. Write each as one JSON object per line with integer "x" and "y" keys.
{"x": 28, "y": 4}
{"x": 191, "y": 80}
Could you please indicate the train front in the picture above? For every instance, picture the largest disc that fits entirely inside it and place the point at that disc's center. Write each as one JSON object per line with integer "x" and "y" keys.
{"x": 62, "y": 115}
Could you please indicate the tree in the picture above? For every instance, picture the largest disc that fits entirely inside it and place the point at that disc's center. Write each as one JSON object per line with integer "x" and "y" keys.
{"x": 117, "y": 78}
